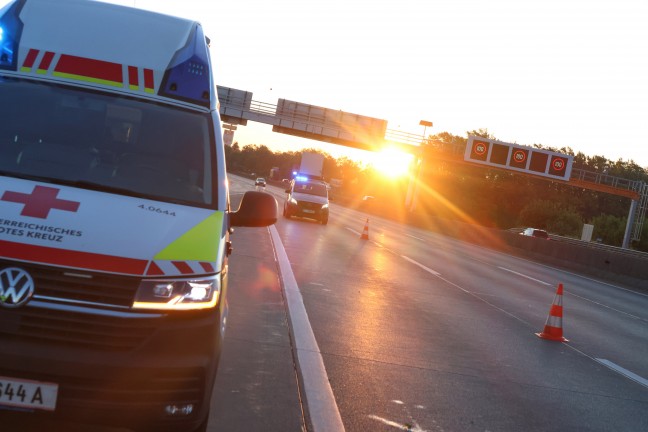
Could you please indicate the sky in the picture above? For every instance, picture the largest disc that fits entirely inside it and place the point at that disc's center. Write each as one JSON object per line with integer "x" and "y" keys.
{"x": 560, "y": 73}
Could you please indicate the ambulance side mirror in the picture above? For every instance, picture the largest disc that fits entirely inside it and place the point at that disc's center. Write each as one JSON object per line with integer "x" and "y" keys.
{"x": 257, "y": 209}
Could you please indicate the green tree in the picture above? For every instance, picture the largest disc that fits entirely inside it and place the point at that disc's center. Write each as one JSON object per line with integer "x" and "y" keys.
{"x": 551, "y": 216}
{"x": 610, "y": 229}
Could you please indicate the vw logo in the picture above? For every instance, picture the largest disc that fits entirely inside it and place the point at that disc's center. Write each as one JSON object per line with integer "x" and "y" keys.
{"x": 16, "y": 287}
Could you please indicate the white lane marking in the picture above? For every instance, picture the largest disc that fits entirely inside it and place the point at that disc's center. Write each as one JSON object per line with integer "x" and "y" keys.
{"x": 353, "y": 231}
{"x": 427, "y": 269}
{"x": 413, "y": 428}
{"x": 608, "y": 307}
{"x": 524, "y": 276}
{"x": 322, "y": 409}
{"x": 414, "y": 237}
{"x": 626, "y": 373}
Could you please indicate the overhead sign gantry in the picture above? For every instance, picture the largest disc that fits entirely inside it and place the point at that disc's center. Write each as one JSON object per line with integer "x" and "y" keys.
{"x": 313, "y": 122}
{"x": 515, "y": 157}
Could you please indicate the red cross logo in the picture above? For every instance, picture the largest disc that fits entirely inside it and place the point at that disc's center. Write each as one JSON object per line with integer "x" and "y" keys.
{"x": 39, "y": 203}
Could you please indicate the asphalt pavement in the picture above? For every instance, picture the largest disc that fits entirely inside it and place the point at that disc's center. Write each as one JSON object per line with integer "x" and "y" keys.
{"x": 256, "y": 388}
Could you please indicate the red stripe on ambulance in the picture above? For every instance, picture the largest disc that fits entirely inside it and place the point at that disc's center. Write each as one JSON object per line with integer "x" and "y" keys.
{"x": 75, "y": 259}
{"x": 30, "y": 59}
{"x": 91, "y": 68}
{"x": 178, "y": 268}
{"x": 208, "y": 267}
{"x": 133, "y": 78}
{"x": 183, "y": 267}
{"x": 154, "y": 270}
{"x": 46, "y": 61}
{"x": 149, "y": 82}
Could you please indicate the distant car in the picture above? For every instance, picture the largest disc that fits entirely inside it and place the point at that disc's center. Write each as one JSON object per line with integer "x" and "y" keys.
{"x": 534, "y": 232}
{"x": 260, "y": 182}
{"x": 367, "y": 202}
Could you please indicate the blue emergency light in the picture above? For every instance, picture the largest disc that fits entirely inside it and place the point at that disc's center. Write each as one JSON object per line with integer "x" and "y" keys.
{"x": 188, "y": 76}
{"x": 301, "y": 178}
{"x": 10, "y": 32}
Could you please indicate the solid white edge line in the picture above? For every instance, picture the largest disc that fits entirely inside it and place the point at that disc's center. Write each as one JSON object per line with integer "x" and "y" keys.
{"x": 524, "y": 276}
{"x": 626, "y": 373}
{"x": 427, "y": 269}
{"x": 322, "y": 409}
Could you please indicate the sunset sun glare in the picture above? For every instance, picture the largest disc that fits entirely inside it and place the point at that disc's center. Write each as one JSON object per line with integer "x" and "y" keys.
{"x": 392, "y": 163}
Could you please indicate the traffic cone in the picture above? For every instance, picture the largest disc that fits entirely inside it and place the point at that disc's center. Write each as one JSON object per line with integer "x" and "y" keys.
{"x": 553, "y": 326}
{"x": 365, "y": 231}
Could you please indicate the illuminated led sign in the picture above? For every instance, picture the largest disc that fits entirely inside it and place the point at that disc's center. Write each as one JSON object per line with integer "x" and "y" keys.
{"x": 518, "y": 158}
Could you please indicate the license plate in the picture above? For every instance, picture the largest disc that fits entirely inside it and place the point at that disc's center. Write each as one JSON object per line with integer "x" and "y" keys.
{"x": 21, "y": 393}
{"x": 308, "y": 211}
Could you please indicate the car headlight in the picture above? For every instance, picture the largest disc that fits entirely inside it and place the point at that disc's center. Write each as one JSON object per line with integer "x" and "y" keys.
{"x": 178, "y": 294}
{"x": 325, "y": 207}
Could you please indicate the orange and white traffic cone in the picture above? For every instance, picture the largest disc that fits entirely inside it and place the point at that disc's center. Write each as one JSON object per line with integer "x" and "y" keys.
{"x": 365, "y": 231}
{"x": 553, "y": 327}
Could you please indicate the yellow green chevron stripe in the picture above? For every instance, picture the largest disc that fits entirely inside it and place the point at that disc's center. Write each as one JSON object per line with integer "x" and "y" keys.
{"x": 200, "y": 243}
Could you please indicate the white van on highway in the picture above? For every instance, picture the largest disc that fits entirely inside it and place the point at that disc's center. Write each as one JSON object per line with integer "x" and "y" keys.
{"x": 307, "y": 198}
{"x": 114, "y": 217}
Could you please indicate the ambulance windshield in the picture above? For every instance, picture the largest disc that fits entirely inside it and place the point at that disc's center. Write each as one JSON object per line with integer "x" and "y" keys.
{"x": 63, "y": 135}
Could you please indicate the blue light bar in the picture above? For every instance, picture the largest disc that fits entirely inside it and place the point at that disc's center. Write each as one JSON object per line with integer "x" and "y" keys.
{"x": 10, "y": 32}
{"x": 301, "y": 178}
{"x": 188, "y": 76}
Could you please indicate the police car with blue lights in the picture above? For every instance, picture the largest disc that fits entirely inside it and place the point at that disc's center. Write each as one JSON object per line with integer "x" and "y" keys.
{"x": 307, "y": 198}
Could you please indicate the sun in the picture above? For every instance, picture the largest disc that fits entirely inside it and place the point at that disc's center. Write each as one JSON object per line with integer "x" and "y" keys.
{"x": 392, "y": 163}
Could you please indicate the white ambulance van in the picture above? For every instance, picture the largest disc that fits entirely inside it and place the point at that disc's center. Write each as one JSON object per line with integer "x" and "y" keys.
{"x": 114, "y": 217}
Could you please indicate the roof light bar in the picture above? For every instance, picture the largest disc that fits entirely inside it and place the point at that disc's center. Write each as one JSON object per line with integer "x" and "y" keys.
{"x": 188, "y": 76}
{"x": 10, "y": 32}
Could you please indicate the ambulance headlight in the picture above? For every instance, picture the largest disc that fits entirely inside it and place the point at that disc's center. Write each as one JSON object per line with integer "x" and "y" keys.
{"x": 178, "y": 294}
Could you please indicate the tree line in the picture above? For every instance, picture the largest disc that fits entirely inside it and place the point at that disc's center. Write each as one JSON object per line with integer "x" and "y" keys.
{"x": 470, "y": 193}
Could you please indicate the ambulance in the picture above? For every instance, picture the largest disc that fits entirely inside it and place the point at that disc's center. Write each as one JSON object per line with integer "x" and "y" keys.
{"x": 115, "y": 217}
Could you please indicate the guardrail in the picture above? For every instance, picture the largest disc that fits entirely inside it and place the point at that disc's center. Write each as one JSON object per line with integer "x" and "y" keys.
{"x": 589, "y": 244}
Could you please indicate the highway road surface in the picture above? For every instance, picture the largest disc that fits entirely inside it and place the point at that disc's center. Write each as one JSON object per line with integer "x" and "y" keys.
{"x": 418, "y": 331}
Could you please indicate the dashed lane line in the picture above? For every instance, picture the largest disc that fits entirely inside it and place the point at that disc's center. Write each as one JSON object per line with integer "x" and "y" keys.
{"x": 524, "y": 276}
{"x": 427, "y": 269}
{"x": 626, "y": 373}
